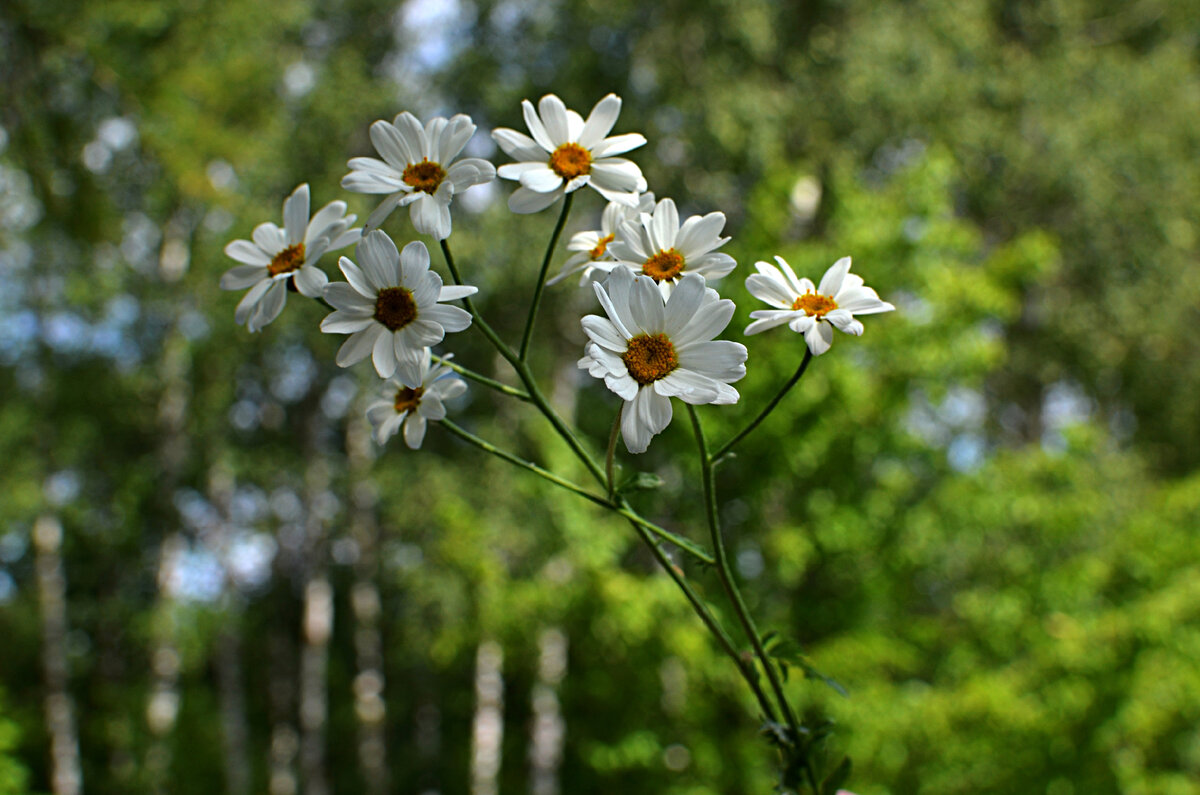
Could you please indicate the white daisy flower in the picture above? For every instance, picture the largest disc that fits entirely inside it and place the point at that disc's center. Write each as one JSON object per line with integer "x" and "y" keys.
{"x": 414, "y": 407}
{"x": 657, "y": 246}
{"x": 390, "y": 308}
{"x": 277, "y": 255}
{"x": 566, "y": 153}
{"x": 416, "y": 170}
{"x": 592, "y": 246}
{"x": 648, "y": 352}
{"x": 813, "y": 312}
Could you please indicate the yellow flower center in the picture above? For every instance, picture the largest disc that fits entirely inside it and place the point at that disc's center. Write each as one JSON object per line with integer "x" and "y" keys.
{"x": 650, "y": 357}
{"x": 602, "y": 246}
{"x": 663, "y": 265}
{"x": 424, "y": 176}
{"x": 395, "y": 308}
{"x": 287, "y": 260}
{"x": 570, "y": 161}
{"x": 408, "y": 399}
{"x": 814, "y": 304}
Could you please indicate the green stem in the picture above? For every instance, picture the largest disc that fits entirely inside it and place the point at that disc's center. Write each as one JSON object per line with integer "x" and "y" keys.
{"x": 477, "y": 319}
{"x": 726, "y": 574}
{"x": 541, "y": 282}
{"x": 621, "y": 509}
{"x": 503, "y": 388}
{"x": 728, "y": 446}
{"x": 714, "y": 628}
{"x": 610, "y": 454}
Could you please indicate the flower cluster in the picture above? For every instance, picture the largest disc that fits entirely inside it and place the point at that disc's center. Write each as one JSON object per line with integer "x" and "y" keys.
{"x": 651, "y": 272}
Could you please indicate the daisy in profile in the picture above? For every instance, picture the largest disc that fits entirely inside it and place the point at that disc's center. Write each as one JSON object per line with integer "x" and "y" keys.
{"x": 808, "y": 310}
{"x": 658, "y": 246}
{"x": 276, "y": 255}
{"x": 418, "y": 170}
{"x": 566, "y": 152}
{"x": 648, "y": 352}
{"x": 592, "y": 246}
{"x": 412, "y": 408}
{"x": 390, "y": 308}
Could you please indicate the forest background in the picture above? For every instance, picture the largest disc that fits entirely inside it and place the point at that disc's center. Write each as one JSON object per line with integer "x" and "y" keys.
{"x": 980, "y": 518}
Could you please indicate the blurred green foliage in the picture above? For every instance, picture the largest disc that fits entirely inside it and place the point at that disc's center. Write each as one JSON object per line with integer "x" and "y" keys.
{"x": 980, "y": 517}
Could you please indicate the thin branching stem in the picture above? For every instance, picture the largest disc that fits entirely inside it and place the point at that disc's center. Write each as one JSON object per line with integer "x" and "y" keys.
{"x": 725, "y": 449}
{"x": 726, "y": 574}
{"x": 480, "y": 378}
{"x": 527, "y": 337}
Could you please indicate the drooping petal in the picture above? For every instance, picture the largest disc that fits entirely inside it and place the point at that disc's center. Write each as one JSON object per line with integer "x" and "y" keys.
{"x": 414, "y": 431}
{"x": 250, "y": 301}
{"x": 845, "y": 322}
{"x": 524, "y": 201}
{"x": 359, "y": 345}
{"x": 431, "y": 216}
{"x": 819, "y": 337}
{"x": 243, "y": 276}
{"x": 380, "y": 213}
{"x": 310, "y": 281}
{"x": 270, "y": 306}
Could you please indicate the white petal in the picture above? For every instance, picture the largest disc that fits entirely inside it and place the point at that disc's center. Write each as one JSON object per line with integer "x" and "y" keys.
{"x": 382, "y": 356}
{"x": 646, "y": 305}
{"x": 413, "y": 265}
{"x": 454, "y": 137}
{"x": 270, "y": 238}
{"x": 270, "y": 306}
{"x": 451, "y": 318}
{"x": 831, "y": 282}
{"x": 700, "y": 235}
{"x": 845, "y": 322}
{"x": 327, "y": 217}
{"x": 369, "y": 182}
{"x": 689, "y": 386}
{"x": 684, "y": 304}
{"x": 767, "y": 319}
{"x": 708, "y": 322}
{"x": 359, "y": 345}
{"x": 380, "y": 213}
{"x": 602, "y": 331}
{"x": 414, "y": 431}
{"x": 664, "y": 225}
{"x": 243, "y": 276}
{"x": 523, "y": 200}
{"x": 542, "y": 180}
{"x": 616, "y": 174}
{"x": 342, "y": 322}
{"x": 770, "y": 290}
{"x": 536, "y": 128}
{"x": 618, "y": 144}
{"x": 819, "y": 337}
{"x": 247, "y": 252}
{"x": 600, "y": 121}
{"x": 455, "y": 292}
{"x": 295, "y": 215}
{"x": 250, "y": 301}
{"x": 431, "y": 216}
{"x": 515, "y": 170}
{"x": 379, "y": 260}
{"x": 719, "y": 359}
{"x": 391, "y": 145}
{"x": 554, "y": 116}
{"x": 357, "y": 279}
{"x": 310, "y": 281}
{"x": 469, "y": 172}
{"x": 409, "y": 361}
{"x": 518, "y": 146}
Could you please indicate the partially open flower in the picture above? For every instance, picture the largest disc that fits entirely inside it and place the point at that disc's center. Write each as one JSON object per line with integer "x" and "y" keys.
{"x": 411, "y": 408}
{"x": 658, "y": 246}
{"x": 592, "y": 259}
{"x": 808, "y": 310}
{"x": 566, "y": 153}
{"x": 277, "y": 255}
